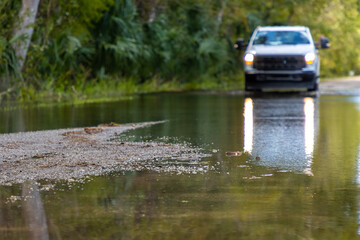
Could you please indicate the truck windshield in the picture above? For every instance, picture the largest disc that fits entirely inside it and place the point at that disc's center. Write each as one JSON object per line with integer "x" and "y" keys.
{"x": 280, "y": 38}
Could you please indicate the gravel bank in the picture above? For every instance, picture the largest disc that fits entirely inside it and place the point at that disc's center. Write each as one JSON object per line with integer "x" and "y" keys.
{"x": 74, "y": 153}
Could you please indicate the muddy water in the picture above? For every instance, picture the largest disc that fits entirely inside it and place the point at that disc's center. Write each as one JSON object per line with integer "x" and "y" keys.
{"x": 298, "y": 178}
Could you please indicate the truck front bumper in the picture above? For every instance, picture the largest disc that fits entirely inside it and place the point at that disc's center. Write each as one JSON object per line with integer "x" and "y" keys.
{"x": 258, "y": 80}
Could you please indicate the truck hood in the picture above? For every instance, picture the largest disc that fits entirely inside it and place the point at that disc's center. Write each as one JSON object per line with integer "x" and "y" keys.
{"x": 281, "y": 50}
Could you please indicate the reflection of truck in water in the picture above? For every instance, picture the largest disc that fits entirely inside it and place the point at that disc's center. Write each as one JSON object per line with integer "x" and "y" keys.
{"x": 282, "y": 57}
{"x": 280, "y": 131}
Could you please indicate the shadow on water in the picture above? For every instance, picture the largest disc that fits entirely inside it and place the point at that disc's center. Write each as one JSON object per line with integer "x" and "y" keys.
{"x": 304, "y": 185}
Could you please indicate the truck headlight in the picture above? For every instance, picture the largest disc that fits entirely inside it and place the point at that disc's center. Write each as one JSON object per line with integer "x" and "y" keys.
{"x": 310, "y": 58}
{"x": 249, "y": 58}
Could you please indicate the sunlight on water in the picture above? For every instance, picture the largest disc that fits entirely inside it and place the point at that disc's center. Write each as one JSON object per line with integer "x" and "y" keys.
{"x": 248, "y": 125}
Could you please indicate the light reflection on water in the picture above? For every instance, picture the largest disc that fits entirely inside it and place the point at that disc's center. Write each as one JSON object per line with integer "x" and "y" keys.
{"x": 248, "y": 125}
{"x": 242, "y": 198}
{"x": 275, "y": 125}
{"x": 309, "y": 130}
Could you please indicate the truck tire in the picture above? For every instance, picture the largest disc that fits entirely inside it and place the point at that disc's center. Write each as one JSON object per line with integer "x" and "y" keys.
{"x": 315, "y": 88}
{"x": 247, "y": 79}
{"x": 247, "y": 88}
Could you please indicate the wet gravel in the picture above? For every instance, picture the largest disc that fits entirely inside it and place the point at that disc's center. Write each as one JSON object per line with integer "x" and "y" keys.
{"x": 68, "y": 154}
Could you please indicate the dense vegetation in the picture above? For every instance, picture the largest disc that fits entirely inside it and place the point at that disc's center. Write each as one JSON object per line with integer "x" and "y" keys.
{"x": 101, "y": 48}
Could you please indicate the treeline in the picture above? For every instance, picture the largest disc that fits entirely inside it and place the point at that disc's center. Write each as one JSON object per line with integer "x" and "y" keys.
{"x": 79, "y": 45}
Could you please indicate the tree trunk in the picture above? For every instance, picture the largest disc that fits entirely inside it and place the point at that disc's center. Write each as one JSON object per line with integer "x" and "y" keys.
{"x": 152, "y": 15}
{"x": 27, "y": 17}
{"x": 220, "y": 16}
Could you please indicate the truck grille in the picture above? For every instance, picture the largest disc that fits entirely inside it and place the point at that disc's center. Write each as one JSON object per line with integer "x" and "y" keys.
{"x": 279, "y": 62}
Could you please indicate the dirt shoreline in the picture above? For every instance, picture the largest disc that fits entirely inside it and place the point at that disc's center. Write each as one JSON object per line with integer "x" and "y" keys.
{"x": 69, "y": 154}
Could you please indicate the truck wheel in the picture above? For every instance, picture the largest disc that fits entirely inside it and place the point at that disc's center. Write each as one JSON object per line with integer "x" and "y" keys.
{"x": 315, "y": 88}
{"x": 247, "y": 85}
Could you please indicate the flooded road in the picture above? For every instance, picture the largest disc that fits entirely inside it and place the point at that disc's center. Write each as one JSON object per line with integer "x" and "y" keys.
{"x": 298, "y": 176}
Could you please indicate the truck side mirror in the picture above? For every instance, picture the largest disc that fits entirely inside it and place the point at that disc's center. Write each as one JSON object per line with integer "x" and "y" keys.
{"x": 240, "y": 44}
{"x": 324, "y": 42}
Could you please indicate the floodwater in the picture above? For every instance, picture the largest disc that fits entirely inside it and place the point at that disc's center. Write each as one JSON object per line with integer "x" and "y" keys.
{"x": 299, "y": 176}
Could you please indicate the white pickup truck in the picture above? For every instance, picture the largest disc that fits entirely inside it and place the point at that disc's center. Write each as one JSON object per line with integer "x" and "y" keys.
{"x": 282, "y": 57}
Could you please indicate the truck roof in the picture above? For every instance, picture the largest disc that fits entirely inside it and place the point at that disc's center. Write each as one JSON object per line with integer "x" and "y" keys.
{"x": 282, "y": 28}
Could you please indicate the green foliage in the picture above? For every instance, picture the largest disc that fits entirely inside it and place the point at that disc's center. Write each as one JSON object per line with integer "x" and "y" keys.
{"x": 79, "y": 43}
{"x": 8, "y": 61}
{"x": 80, "y": 14}
{"x": 10, "y": 75}
{"x": 8, "y": 13}
{"x": 119, "y": 41}
{"x": 185, "y": 39}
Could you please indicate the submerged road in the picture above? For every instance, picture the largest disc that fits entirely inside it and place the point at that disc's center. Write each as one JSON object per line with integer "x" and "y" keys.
{"x": 340, "y": 85}
{"x": 328, "y": 86}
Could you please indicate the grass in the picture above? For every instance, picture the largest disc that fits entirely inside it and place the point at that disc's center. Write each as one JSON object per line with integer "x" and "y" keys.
{"x": 113, "y": 89}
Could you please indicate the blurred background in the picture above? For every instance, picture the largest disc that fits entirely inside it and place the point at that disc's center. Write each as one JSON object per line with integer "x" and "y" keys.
{"x": 105, "y": 48}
